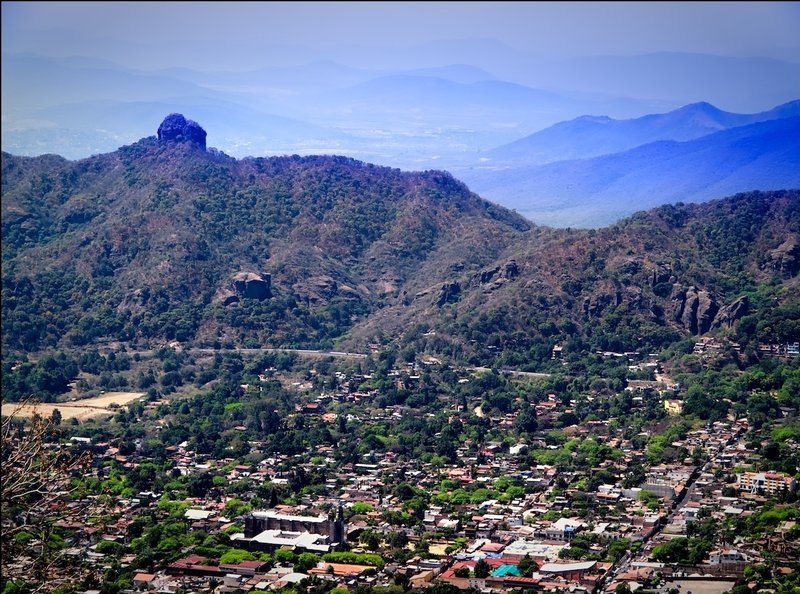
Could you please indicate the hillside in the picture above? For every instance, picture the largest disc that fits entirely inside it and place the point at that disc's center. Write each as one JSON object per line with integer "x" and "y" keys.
{"x": 642, "y": 284}
{"x": 162, "y": 240}
{"x": 147, "y": 242}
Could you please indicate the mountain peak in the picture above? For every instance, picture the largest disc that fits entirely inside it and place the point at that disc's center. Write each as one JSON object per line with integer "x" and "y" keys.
{"x": 591, "y": 119}
{"x": 176, "y": 128}
{"x": 700, "y": 107}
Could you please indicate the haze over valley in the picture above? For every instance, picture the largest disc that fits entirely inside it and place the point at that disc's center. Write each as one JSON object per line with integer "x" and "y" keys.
{"x": 472, "y": 106}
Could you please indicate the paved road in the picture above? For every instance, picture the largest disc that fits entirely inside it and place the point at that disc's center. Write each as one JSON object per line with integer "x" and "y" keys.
{"x": 301, "y": 352}
{"x": 622, "y": 563}
{"x": 513, "y": 372}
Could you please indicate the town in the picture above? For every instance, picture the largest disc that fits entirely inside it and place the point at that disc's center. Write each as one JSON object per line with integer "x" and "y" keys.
{"x": 517, "y": 484}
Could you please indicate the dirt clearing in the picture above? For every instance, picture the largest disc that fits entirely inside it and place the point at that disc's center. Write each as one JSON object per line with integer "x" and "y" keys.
{"x": 77, "y": 409}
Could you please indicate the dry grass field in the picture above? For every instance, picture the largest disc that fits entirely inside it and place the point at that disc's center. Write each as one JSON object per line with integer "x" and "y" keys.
{"x": 79, "y": 409}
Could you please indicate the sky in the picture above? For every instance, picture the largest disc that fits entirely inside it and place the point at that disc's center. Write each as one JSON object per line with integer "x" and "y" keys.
{"x": 198, "y": 34}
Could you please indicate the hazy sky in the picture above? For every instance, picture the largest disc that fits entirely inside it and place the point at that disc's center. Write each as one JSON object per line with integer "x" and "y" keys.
{"x": 153, "y": 34}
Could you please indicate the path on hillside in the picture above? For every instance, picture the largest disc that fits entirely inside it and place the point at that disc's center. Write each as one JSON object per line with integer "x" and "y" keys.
{"x": 513, "y": 372}
{"x": 301, "y": 352}
{"x": 336, "y": 354}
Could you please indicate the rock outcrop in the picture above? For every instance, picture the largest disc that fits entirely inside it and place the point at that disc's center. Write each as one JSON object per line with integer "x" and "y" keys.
{"x": 594, "y": 305}
{"x": 176, "y": 128}
{"x": 608, "y": 297}
{"x": 496, "y": 276}
{"x": 785, "y": 259}
{"x": 449, "y": 293}
{"x": 511, "y": 269}
{"x": 662, "y": 280}
{"x": 251, "y": 285}
{"x": 695, "y": 309}
{"x": 728, "y": 314}
{"x": 661, "y": 273}
{"x": 486, "y": 276}
{"x": 246, "y": 285}
{"x": 323, "y": 288}
{"x": 627, "y": 266}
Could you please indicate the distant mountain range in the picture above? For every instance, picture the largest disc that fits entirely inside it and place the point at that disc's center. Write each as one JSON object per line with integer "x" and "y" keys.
{"x": 591, "y": 136}
{"x": 724, "y": 154}
{"x": 413, "y": 118}
{"x": 523, "y": 141}
{"x": 411, "y": 115}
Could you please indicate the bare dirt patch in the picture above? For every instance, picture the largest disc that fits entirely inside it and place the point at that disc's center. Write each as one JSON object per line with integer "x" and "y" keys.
{"x": 78, "y": 409}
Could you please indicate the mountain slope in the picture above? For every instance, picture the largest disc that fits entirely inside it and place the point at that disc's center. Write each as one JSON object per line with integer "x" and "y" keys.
{"x": 638, "y": 285}
{"x": 601, "y": 190}
{"x": 163, "y": 241}
{"x": 177, "y": 224}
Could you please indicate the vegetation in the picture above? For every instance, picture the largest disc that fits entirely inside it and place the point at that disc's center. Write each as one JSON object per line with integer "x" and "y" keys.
{"x": 381, "y": 237}
{"x": 446, "y": 297}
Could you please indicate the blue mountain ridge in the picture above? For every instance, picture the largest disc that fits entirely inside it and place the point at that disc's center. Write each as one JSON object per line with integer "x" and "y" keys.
{"x": 591, "y": 136}
{"x": 600, "y": 190}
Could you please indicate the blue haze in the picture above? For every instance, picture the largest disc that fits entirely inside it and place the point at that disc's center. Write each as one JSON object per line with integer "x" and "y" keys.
{"x": 415, "y": 85}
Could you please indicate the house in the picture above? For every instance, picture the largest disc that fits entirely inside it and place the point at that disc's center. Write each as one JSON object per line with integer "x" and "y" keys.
{"x": 270, "y": 540}
{"x": 248, "y": 568}
{"x": 197, "y": 514}
{"x": 422, "y": 579}
{"x": 194, "y": 565}
{"x": 340, "y": 569}
{"x": 564, "y": 529}
{"x": 573, "y": 572}
{"x": 769, "y": 483}
{"x": 539, "y": 552}
{"x": 288, "y": 579}
{"x": 143, "y": 579}
{"x": 720, "y": 556}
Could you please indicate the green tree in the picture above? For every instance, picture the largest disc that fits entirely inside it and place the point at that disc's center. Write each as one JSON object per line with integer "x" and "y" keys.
{"x": 527, "y": 566}
{"x": 234, "y": 556}
{"x": 306, "y": 561}
{"x": 482, "y": 569}
{"x": 361, "y": 507}
{"x": 398, "y": 539}
{"x": 285, "y": 557}
{"x": 617, "y": 549}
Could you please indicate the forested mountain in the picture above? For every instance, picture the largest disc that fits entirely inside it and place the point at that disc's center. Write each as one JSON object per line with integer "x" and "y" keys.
{"x": 163, "y": 240}
{"x": 148, "y": 242}
{"x": 641, "y": 284}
